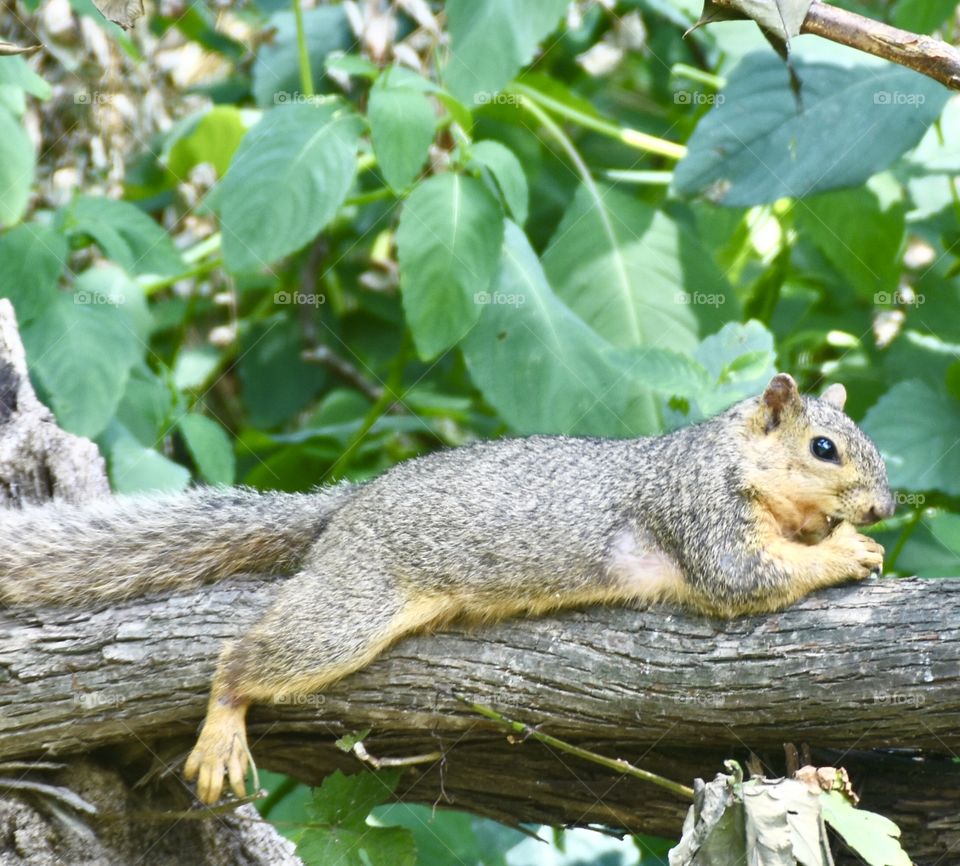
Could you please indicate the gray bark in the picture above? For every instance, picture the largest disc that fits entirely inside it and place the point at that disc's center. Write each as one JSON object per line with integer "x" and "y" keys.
{"x": 850, "y": 670}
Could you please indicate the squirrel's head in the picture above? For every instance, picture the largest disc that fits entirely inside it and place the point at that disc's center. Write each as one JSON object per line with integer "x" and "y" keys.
{"x": 814, "y": 466}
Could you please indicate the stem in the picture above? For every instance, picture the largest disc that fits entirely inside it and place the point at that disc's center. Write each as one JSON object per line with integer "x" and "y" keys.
{"x": 908, "y": 530}
{"x": 564, "y": 141}
{"x": 701, "y": 76}
{"x": 387, "y": 398}
{"x": 631, "y": 137}
{"x": 618, "y": 765}
{"x": 306, "y": 73}
{"x": 643, "y": 178}
{"x": 199, "y": 270}
{"x": 367, "y": 197}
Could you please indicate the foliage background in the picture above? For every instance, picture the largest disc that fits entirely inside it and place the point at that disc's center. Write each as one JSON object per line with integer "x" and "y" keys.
{"x": 242, "y": 257}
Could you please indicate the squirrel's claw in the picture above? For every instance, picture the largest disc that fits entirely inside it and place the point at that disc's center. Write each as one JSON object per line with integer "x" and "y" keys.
{"x": 221, "y": 751}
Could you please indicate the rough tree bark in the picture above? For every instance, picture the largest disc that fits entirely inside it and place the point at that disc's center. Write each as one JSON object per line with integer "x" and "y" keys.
{"x": 868, "y": 677}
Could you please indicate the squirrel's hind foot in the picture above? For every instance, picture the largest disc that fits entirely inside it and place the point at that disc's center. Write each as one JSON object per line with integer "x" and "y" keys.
{"x": 221, "y": 751}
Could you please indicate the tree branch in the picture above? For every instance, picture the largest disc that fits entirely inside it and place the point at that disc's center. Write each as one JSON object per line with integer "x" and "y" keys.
{"x": 858, "y": 668}
{"x": 923, "y": 54}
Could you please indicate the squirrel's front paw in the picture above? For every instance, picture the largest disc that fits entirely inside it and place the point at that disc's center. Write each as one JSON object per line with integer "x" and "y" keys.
{"x": 860, "y": 555}
{"x": 221, "y": 750}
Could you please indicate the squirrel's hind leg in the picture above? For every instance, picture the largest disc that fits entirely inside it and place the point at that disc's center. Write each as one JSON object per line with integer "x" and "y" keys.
{"x": 320, "y": 627}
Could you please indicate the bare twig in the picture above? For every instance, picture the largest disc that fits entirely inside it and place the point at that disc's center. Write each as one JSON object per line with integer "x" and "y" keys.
{"x": 924, "y": 54}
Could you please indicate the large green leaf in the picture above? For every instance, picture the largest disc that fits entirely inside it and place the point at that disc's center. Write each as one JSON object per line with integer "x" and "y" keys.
{"x": 861, "y": 231}
{"x": 81, "y": 353}
{"x": 541, "y": 367}
{"x": 17, "y": 162}
{"x": 757, "y": 145}
{"x": 916, "y": 428}
{"x": 32, "y": 257}
{"x": 632, "y": 273}
{"x": 492, "y": 40}
{"x": 448, "y": 243}
{"x": 276, "y": 71}
{"x": 125, "y": 234}
{"x": 402, "y": 125}
{"x": 286, "y": 182}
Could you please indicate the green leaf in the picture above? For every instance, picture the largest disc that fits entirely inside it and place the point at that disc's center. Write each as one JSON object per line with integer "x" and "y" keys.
{"x": 81, "y": 354}
{"x": 276, "y": 381}
{"x": 371, "y": 846}
{"x": 503, "y": 164}
{"x": 402, "y": 125}
{"x": 875, "y": 838}
{"x": 342, "y": 803}
{"x": 211, "y": 137}
{"x": 15, "y": 72}
{"x": 739, "y": 359}
{"x": 492, "y": 40}
{"x": 276, "y": 71}
{"x": 32, "y": 257}
{"x": 17, "y": 163}
{"x": 107, "y": 284}
{"x": 125, "y": 234}
{"x": 210, "y": 447}
{"x": 861, "y": 231}
{"x": 920, "y": 454}
{"x": 755, "y": 146}
{"x": 146, "y": 407}
{"x": 288, "y": 179}
{"x": 572, "y": 381}
{"x": 135, "y": 468}
{"x": 632, "y": 273}
{"x": 448, "y": 244}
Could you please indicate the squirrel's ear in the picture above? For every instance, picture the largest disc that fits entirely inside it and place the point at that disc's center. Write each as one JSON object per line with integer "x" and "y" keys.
{"x": 835, "y": 395}
{"x": 780, "y": 397}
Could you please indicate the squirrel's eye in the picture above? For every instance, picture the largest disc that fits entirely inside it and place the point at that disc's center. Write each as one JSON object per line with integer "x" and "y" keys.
{"x": 824, "y": 449}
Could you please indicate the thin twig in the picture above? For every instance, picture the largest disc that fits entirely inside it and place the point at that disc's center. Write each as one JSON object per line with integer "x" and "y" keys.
{"x": 618, "y": 765}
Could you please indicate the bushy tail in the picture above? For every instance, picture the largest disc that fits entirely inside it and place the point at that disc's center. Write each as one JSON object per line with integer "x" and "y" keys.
{"x": 122, "y": 547}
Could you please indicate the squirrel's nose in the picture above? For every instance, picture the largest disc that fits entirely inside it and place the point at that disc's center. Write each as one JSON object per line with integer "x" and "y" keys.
{"x": 881, "y": 510}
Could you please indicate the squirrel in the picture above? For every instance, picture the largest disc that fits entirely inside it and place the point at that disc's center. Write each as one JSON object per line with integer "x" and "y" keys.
{"x": 743, "y": 513}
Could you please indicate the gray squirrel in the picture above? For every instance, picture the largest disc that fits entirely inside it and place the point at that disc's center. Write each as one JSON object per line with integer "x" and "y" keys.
{"x": 744, "y": 513}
